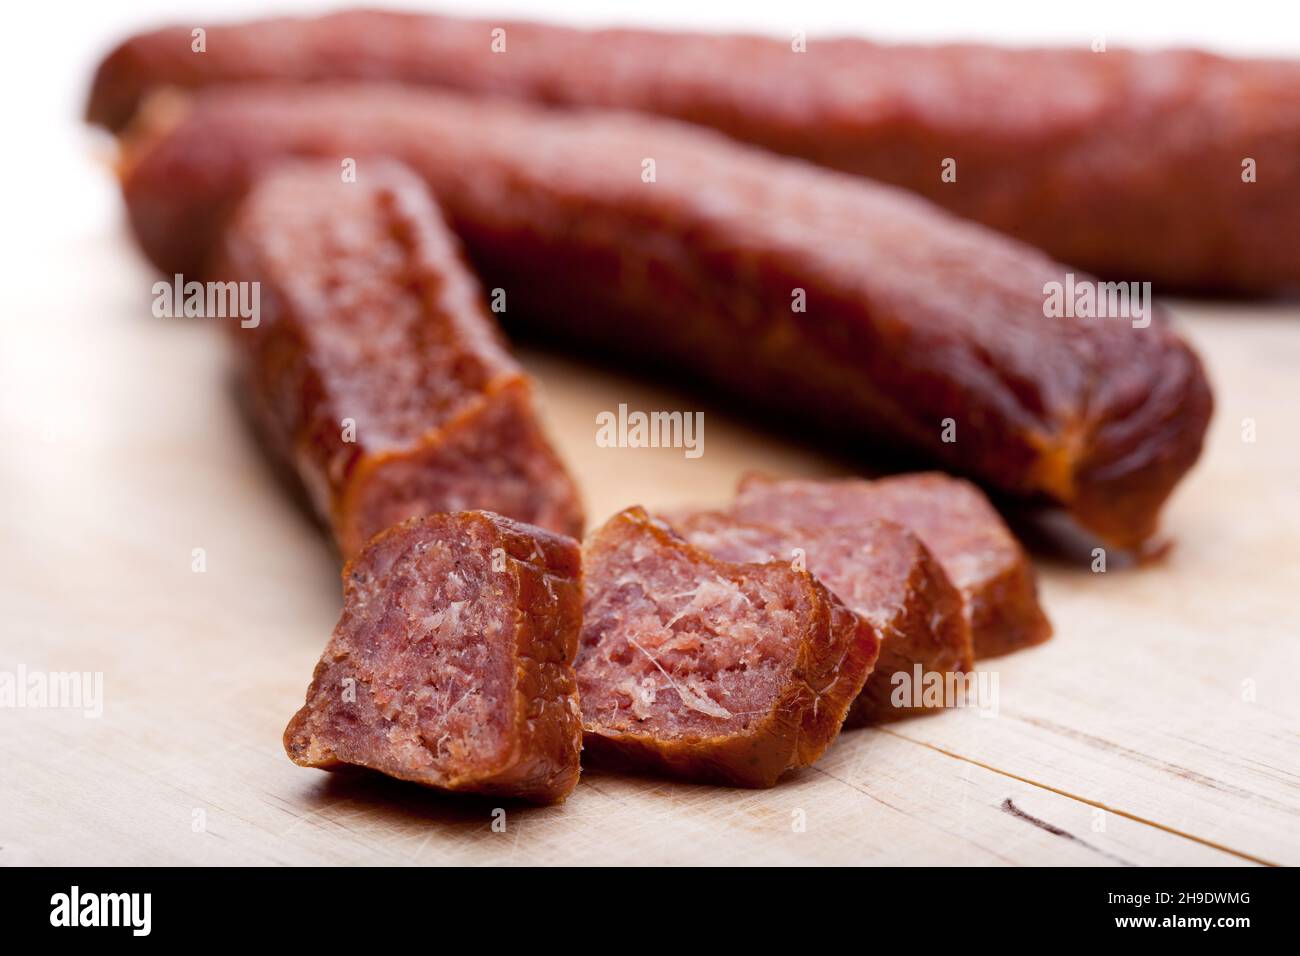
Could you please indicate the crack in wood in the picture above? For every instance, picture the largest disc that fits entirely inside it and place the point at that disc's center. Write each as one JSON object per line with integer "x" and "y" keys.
{"x": 923, "y": 820}
{"x": 1165, "y": 766}
{"x": 1009, "y": 806}
{"x": 1241, "y": 854}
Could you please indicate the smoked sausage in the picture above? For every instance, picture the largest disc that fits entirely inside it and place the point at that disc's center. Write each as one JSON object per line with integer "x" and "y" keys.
{"x": 1177, "y": 167}
{"x": 848, "y": 306}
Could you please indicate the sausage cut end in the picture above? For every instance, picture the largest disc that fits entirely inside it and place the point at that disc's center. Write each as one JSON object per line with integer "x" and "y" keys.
{"x": 452, "y": 663}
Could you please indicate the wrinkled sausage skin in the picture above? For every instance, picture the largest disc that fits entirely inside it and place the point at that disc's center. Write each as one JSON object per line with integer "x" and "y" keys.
{"x": 879, "y": 569}
{"x": 953, "y": 518}
{"x": 452, "y": 662}
{"x": 1128, "y": 164}
{"x": 710, "y": 670}
{"x": 914, "y": 322}
{"x": 375, "y": 371}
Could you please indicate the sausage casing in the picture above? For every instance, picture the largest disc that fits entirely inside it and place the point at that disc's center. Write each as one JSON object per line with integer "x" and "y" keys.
{"x": 1177, "y": 167}
{"x": 814, "y": 296}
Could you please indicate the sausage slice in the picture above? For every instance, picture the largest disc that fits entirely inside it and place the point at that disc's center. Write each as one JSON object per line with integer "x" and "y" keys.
{"x": 707, "y": 669}
{"x": 953, "y": 518}
{"x": 880, "y": 570}
{"x": 452, "y": 663}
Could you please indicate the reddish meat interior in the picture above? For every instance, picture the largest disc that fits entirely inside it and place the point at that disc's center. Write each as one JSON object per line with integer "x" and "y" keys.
{"x": 370, "y": 290}
{"x": 675, "y": 644}
{"x": 428, "y": 633}
{"x": 496, "y": 461}
{"x": 954, "y": 519}
{"x": 867, "y": 566}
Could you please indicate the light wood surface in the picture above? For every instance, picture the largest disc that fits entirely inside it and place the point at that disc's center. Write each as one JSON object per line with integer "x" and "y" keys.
{"x": 1161, "y": 725}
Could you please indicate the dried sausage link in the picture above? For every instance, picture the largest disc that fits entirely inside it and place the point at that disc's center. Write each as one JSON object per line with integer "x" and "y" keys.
{"x": 821, "y": 298}
{"x": 1178, "y": 167}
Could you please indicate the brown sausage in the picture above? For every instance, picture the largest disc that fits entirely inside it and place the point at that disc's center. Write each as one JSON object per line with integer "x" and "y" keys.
{"x": 880, "y": 570}
{"x": 369, "y": 317}
{"x": 829, "y": 299}
{"x": 706, "y": 669}
{"x": 452, "y": 662}
{"x": 952, "y": 517}
{"x": 1126, "y": 164}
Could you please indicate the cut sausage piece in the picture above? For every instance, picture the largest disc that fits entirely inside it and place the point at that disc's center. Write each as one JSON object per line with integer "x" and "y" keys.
{"x": 375, "y": 369}
{"x": 706, "y": 669}
{"x": 952, "y": 517}
{"x": 1129, "y": 163}
{"x": 851, "y": 306}
{"x": 881, "y": 571}
{"x": 452, "y": 663}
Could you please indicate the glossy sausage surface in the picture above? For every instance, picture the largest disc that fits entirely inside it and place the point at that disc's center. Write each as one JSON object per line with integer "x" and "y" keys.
{"x": 1128, "y": 164}
{"x": 854, "y": 308}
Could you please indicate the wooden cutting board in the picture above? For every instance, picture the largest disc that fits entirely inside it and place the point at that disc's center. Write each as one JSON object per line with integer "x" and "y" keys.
{"x": 1161, "y": 725}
